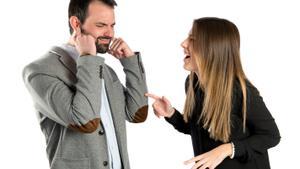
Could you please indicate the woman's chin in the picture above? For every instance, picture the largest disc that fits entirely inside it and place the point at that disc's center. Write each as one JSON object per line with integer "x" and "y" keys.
{"x": 187, "y": 67}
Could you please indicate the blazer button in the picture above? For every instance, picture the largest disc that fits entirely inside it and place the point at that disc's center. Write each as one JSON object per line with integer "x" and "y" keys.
{"x": 101, "y": 132}
{"x": 105, "y": 163}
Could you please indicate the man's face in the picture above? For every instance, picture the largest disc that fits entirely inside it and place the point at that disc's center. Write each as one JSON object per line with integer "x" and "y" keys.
{"x": 99, "y": 23}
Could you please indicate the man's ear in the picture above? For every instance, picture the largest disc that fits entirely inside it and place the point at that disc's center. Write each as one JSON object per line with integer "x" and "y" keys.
{"x": 75, "y": 23}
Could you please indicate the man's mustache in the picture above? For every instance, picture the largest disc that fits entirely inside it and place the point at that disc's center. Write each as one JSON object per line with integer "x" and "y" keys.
{"x": 99, "y": 38}
{"x": 104, "y": 38}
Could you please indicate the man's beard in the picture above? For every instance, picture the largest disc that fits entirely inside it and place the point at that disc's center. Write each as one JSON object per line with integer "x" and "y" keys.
{"x": 102, "y": 48}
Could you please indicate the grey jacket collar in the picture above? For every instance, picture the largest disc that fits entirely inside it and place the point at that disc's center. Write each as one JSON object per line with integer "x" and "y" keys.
{"x": 70, "y": 64}
{"x": 66, "y": 60}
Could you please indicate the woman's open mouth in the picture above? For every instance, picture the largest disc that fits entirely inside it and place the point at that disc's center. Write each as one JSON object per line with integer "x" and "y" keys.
{"x": 187, "y": 57}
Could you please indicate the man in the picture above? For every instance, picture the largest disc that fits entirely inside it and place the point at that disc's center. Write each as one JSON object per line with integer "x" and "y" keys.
{"x": 80, "y": 102}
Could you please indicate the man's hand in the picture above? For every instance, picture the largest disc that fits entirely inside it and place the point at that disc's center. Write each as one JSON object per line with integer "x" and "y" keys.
{"x": 84, "y": 43}
{"x": 120, "y": 49}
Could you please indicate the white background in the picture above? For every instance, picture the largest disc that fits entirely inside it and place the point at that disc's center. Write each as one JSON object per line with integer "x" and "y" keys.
{"x": 269, "y": 49}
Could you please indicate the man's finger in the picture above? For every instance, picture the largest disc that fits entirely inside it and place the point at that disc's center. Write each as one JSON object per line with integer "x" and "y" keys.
{"x": 119, "y": 44}
{"x": 77, "y": 31}
{"x": 120, "y": 50}
{"x": 113, "y": 43}
{"x": 74, "y": 34}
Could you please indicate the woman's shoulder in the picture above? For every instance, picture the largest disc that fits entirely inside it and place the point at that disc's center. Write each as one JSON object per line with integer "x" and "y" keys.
{"x": 251, "y": 90}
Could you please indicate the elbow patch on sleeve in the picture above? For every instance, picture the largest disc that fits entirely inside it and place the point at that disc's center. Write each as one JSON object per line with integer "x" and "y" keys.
{"x": 141, "y": 115}
{"x": 89, "y": 127}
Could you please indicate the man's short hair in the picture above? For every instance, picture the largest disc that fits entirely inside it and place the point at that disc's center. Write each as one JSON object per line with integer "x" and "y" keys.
{"x": 79, "y": 8}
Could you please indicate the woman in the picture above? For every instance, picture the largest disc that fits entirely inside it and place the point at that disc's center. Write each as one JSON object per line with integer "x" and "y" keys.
{"x": 230, "y": 126}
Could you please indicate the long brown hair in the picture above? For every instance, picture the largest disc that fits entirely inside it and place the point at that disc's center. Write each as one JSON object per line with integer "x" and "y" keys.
{"x": 215, "y": 46}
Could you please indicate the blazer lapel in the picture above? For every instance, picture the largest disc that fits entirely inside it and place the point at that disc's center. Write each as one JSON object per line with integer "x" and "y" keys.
{"x": 65, "y": 59}
{"x": 109, "y": 87}
{"x": 108, "y": 81}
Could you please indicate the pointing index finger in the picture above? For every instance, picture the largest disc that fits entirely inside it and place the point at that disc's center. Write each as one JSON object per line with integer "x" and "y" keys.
{"x": 152, "y": 96}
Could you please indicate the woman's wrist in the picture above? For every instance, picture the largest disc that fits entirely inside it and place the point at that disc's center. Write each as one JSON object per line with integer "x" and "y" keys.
{"x": 171, "y": 111}
{"x": 228, "y": 150}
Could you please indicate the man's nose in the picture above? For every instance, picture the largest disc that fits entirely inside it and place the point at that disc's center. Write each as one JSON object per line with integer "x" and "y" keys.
{"x": 109, "y": 32}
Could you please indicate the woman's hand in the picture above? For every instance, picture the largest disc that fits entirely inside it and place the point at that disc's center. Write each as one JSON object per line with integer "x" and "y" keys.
{"x": 212, "y": 158}
{"x": 161, "y": 106}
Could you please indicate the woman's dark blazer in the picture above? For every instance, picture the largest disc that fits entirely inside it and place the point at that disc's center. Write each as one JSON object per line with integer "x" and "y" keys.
{"x": 250, "y": 146}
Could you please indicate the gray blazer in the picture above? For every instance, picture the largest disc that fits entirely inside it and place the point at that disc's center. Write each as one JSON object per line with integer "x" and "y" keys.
{"x": 67, "y": 97}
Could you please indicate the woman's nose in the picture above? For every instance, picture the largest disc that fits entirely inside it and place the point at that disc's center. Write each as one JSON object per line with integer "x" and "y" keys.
{"x": 184, "y": 44}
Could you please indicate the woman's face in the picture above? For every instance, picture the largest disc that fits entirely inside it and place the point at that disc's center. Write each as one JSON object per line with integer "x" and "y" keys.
{"x": 189, "y": 61}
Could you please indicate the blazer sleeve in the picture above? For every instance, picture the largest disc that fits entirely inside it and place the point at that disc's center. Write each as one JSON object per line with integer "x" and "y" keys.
{"x": 76, "y": 108}
{"x": 177, "y": 118}
{"x": 178, "y": 123}
{"x": 136, "y": 103}
{"x": 263, "y": 130}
